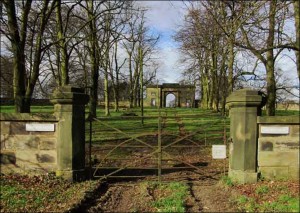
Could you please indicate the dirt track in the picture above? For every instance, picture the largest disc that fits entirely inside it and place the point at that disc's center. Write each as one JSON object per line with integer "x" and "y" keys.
{"x": 206, "y": 194}
{"x": 194, "y": 166}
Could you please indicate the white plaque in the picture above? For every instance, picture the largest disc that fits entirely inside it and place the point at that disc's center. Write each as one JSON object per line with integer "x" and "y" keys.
{"x": 218, "y": 151}
{"x": 39, "y": 127}
{"x": 275, "y": 130}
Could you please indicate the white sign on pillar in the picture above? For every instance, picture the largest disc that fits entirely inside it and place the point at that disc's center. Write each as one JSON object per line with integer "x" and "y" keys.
{"x": 40, "y": 127}
{"x": 275, "y": 130}
{"x": 218, "y": 151}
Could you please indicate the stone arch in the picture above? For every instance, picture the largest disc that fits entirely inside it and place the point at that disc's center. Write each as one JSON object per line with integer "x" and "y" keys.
{"x": 184, "y": 95}
{"x": 170, "y": 98}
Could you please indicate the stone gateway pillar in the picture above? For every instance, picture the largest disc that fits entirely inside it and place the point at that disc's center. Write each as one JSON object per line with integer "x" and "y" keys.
{"x": 69, "y": 108}
{"x": 244, "y": 106}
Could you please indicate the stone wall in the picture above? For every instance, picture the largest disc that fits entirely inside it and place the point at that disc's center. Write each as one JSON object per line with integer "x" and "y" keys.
{"x": 28, "y": 143}
{"x": 32, "y": 143}
{"x": 278, "y": 147}
{"x": 266, "y": 146}
{"x": 34, "y": 102}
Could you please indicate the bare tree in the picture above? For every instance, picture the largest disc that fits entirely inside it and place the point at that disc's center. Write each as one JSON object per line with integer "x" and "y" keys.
{"x": 256, "y": 27}
{"x": 6, "y": 79}
{"x": 16, "y": 31}
{"x": 140, "y": 46}
{"x": 258, "y": 36}
{"x": 297, "y": 27}
{"x": 94, "y": 54}
{"x": 108, "y": 31}
{"x": 204, "y": 42}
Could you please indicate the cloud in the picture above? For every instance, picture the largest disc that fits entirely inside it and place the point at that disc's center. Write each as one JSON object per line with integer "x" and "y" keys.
{"x": 163, "y": 18}
{"x": 164, "y": 15}
{"x": 169, "y": 72}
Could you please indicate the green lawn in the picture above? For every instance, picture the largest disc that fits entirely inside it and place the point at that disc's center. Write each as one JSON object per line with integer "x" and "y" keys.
{"x": 34, "y": 109}
{"x": 147, "y": 111}
{"x": 23, "y": 194}
{"x": 207, "y": 125}
{"x": 44, "y": 193}
{"x": 179, "y": 121}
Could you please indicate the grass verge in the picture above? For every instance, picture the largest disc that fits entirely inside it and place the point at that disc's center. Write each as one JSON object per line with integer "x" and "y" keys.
{"x": 169, "y": 197}
{"x": 266, "y": 196}
{"x": 47, "y": 193}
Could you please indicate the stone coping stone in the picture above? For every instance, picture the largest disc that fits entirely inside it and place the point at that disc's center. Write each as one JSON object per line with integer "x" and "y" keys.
{"x": 47, "y": 117}
{"x": 69, "y": 95}
{"x": 69, "y": 88}
{"x": 278, "y": 120}
{"x": 171, "y": 85}
{"x": 244, "y": 95}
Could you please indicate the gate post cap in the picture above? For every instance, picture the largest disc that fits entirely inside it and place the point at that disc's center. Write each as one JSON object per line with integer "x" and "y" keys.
{"x": 244, "y": 97}
{"x": 69, "y": 95}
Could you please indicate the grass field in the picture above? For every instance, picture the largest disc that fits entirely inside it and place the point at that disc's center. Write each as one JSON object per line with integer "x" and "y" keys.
{"x": 147, "y": 111}
{"x": 174, "y": 121}
{"x": 34, "y": 109}
{"x": 47, "y": 193}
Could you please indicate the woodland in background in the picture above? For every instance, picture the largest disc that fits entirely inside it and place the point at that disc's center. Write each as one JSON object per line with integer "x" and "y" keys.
{"x": 105, "y": 47}
{"x": 217, "y": 33}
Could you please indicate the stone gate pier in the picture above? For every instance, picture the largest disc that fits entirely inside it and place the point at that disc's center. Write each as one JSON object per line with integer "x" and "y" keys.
{"x": 244, "y": 106}
{"x": 265, "y": 146}
{"x": 69, "y": 109}
{"x": 39, "y": 143}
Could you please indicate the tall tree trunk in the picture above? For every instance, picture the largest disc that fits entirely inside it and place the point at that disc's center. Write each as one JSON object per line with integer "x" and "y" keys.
{"x": 297, "y": 27}
{"x": 106, "y": 94}
{"x": 204, "y": 92}
{"x": 136, "y": 83}
{"x": 64, "y": 60}
{"x": 222, "y": 84}
{"x": 18, "y": 39}
{"x": 141, "y": 63}
{"x": 58, "y": 62}
{"x": 230, "y": 66}
{"x": 271, "y": 84}
{"x": 112, "y": 78}
{"x": 116, "y": 101}
{"x": 37, "y": 58}
{"x": 19, "y": 81}
{"x": 106, "y": 70}
{"x": 231, "y": 41}
{"x": 130, "y": 79}
{"x": 94, "y": 91}
{"x": 116, "y": 87}
{"x": 268, "y": 60}
{"x": 214, "y": 84}
{"x": 215, "y": 67}
{"x": 204, "y": 82}
{"x": 94, "y": 56}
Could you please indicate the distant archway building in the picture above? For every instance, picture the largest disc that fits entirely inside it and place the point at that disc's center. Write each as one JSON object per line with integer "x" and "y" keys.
{"x": 156, "y": 95}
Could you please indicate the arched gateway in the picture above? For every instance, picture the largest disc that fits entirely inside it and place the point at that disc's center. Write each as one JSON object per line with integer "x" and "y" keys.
{"x": 157, "y": 95}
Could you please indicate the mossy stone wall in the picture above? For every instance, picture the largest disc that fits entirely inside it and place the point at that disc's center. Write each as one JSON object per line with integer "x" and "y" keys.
{"x": 42, "y": 143}
{"x": 278, "y": 147}
{"x": 26, "y": 151}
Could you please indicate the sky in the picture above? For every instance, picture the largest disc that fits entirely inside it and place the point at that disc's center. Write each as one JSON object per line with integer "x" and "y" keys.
{"x": 163, "y": 18}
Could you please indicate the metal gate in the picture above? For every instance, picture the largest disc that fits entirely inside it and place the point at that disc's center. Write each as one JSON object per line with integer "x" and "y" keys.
{"x": 151, "y": 146}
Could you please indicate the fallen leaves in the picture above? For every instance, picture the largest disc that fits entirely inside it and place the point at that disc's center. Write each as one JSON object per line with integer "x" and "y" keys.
{"x": 44, "y": 193}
